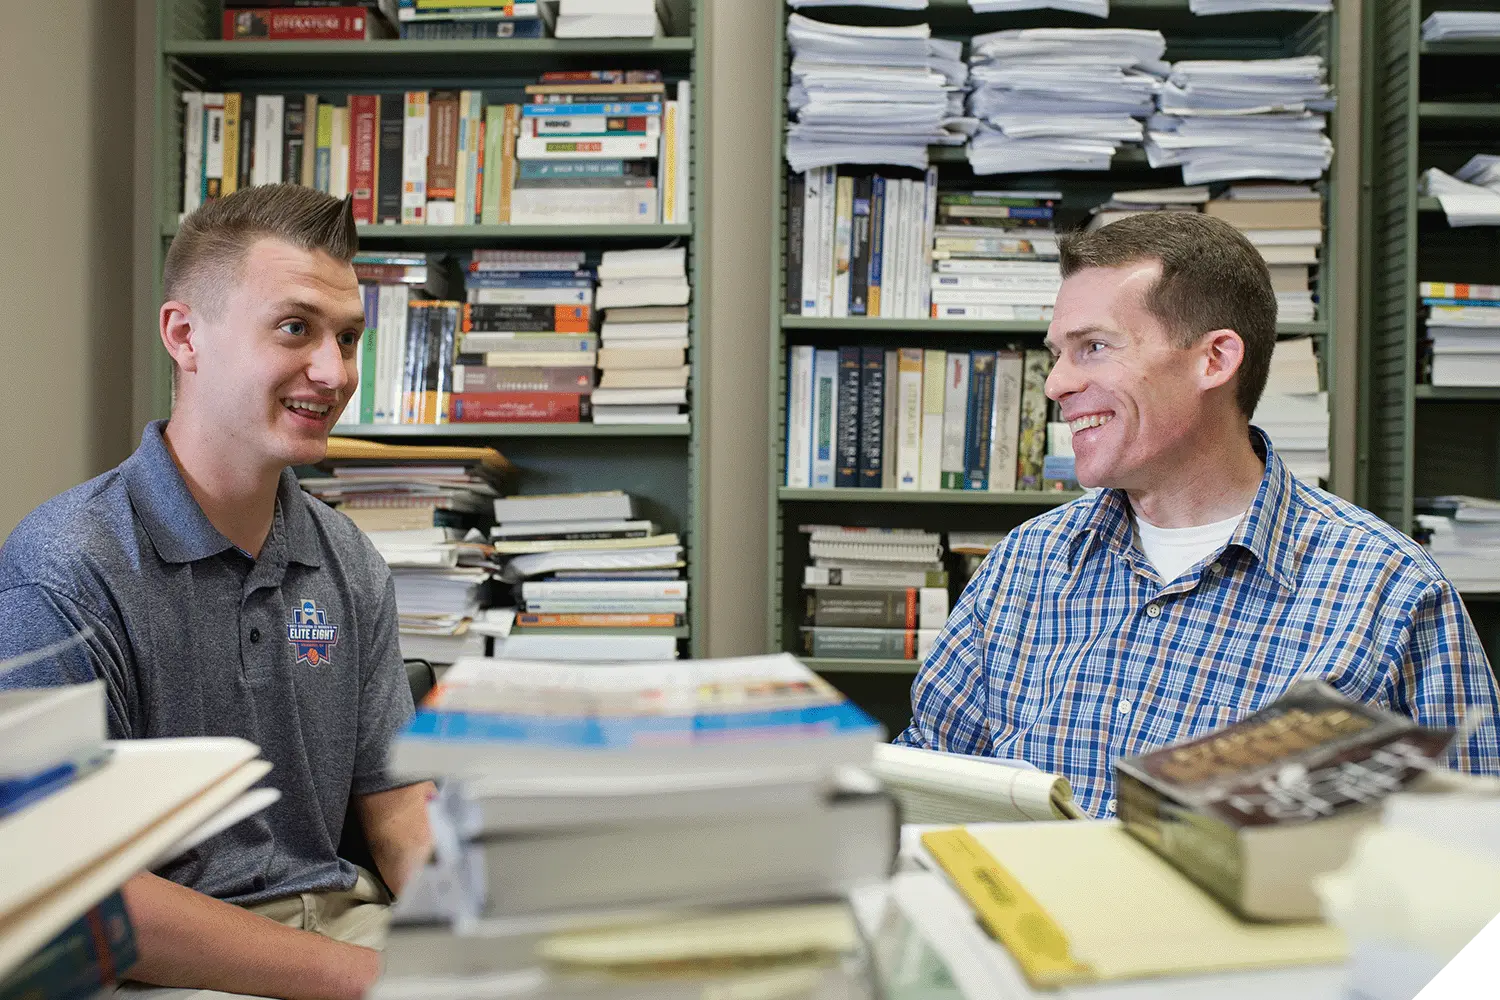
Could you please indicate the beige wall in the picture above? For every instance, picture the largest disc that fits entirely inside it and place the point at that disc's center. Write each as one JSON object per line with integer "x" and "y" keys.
{"x": 65, "y": 256}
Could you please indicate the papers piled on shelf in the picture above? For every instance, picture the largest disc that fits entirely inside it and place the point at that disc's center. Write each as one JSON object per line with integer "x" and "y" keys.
{"x": 1461, "y": 25}
{"x": 1238, "y": 118}
{"x": 1471, "y": 197}
{"x": 887, "y": 4}
{"x": 1293, "y": 412}
{"x": 872, "y": 94}
{"x": 1463, "y": 333}
{"x": 1098, "y": 8}
{"x": 1246, "y": 6}
{"x": 1463, "y": 537}
{"x": 1060, "y": 98}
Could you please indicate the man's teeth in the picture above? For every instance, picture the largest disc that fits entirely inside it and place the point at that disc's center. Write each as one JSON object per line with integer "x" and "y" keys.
{"x": 1092, "y": 420}
{"x": 316, "y": 409}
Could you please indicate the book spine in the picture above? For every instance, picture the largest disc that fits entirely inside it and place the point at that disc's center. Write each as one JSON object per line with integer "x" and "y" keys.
{"x": 232, "y": 115}
{"x": 442, "y": 157}
{"x": 388, "y": 163}
{"x": 384, "y": 335}
{"x": 671, "y": 135}
{"x": 859, "y": 248}
{"x": 369, "y": 353}
{"x": 796, "y": 195}
{"x": 924, "y": 252}
{"x": 270, "y": 136}
{"x": 871, "y": 415}
{"x": 464, "y": 146}
{"x": 824, "y": 416}
{"x": 531, "y": 147}
{"x": 584, "y": 206}
{"x": 416, "y": 334}
{"x": 799, "y": 387}
{"x": 865, "y": 643}
{"x": 310, "y": 104}
{"x": 812, "y": 220}
{"x": 504, "y": 317}
{"x": 414, "y": 145}
{"x": 843, "y": 233}
{"x": 684, "y": 150}
{"x": 447, "y": 348}
{"x": 530, "y": 359}
{"x": 245, "y": 154}
{"x": 531, "y": 296}
{"x": 540, "y": 113}
{"x": 1032, "y": 446}
{"x": 1007, "y": 421}
{"x": 641, "y": 620}
{"x": 83, "y": 960}
{"x": 872, "y": 576}
{"x": 846, "y": 472}
{"x": 934, "y": 382}
{"x": 518, "y": 407}
{"x": 476, "y": 211}
{"x": 892, "y": 382}
{"x": 909, "y": 420}
{"x": 447, "y": 31}
{"x": 326, "y": 24}
{"x": 486, "y": 378}
{"x": 338, "y": 158}
{"x": 293, "y": 138}
{"x": 364, "y": 115}
{"x": 877, "y": 247}
{"x": 847, "y": 607}
{"x": 900, "y": 235}
{"x": 828, "y": 210}
{"x": 977, "y": 422}
{"x": 192, "y": 151}
{"x": 323, "y": 153}
{"x": 955, "y": 420}
{"x": 510, "y": 132}
{"x": 213, "y": 146}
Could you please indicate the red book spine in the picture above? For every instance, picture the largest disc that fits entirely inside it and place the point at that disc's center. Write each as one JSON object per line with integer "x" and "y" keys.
{"x": 364, "y": 139}
{"x": 318, "y": 24}
{"x": 518, "y": 408}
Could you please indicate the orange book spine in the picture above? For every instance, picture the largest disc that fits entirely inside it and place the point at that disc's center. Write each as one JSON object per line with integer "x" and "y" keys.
{"x": 645, "y": 620}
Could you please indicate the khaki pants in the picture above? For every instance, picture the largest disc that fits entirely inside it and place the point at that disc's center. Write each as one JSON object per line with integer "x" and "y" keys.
{"x": 359, "y": 916}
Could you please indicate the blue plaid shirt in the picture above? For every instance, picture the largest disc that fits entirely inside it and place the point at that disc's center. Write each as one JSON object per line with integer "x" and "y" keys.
{"x": 1068, "y": 651}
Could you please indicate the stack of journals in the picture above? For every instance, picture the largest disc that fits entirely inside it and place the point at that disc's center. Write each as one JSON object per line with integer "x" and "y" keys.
{"x": 644, "y": 373}
{"x": 441, "y": 20}
{"x": 1059, "y": 98}
{"x": 858, "y": 244}
{"x": 611, "y": 18}
{"x": 996, "y": 255}
{"x": 1293, "y": 411}
{"x": 1463, "y": 535}
{"x": 657, "y": 831}
{"x": 1285, "y": 222}
{"x": 527, "y": 351}
{"x": 1463, "y": 333}
{"x": 583, "y": 563}
{"x": 915, "y": 419}
{"x": 871, "y": 94}
{"x": 1471, "y": 197}
{"x": 1229, "y": 119}
{"x": 897, "y": 620}
{"x": 422, "y": 508}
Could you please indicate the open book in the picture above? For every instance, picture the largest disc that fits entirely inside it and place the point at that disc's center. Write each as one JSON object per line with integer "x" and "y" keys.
{"x": 934, "y": 787}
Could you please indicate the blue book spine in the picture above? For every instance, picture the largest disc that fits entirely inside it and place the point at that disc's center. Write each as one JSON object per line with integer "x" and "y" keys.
{"x": 877, "y": 246}
{"x": 871, "y": 415}
{"x": 322, "y": 168}
{"x": 824, "y": 417}
{"x": 847, "y": 471}
{"x": 535, "y": 170}
{"x": 482, "y": 279}
{"x": 83, "y": 961}
{"x": 624, "y": 109}
{"x": 977, "y": 420}
{"x": 1482, "y": 303}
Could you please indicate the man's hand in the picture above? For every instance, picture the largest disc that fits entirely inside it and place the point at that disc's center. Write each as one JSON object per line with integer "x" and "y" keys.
{"x": 395, "y": 825}
{"x": 191, "y": 940}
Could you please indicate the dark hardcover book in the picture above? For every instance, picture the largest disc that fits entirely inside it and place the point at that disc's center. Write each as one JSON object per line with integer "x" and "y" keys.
{"x": 83, "y": 961}
{"x": 846, "y": 434}
{"x": 246, "y": 157}
{"x": 526, "y": 318}
{"x": 413, "y": 359}
{"x": 388, "y": 165}
{"x": 447, "y": 348}
{"x": 520, "y": 407}
{"x": 485, "y": 378}
{"x": 294, "y": 137}
{"x": 850, "y": 607}
{"x": 859, "y": 247}
{"x": 871, "y": 415}
{"x": 997, "y": 200}
{"x": 444, "y": 31}
{"x": 796, "y": 191}
{"x": 977, "y": 421}
{"x": 876, "y": 274}
{"x": 861, "y": 643}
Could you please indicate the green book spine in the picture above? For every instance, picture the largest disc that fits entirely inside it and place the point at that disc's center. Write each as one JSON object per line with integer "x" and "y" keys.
{"x": 494, "y": 133}
{"x": 368, "y": 346}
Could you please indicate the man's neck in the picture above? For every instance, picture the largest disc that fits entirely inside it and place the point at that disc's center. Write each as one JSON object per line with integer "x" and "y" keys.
{"x": 239, "y": 501}
{"x": 1217, "y": 480}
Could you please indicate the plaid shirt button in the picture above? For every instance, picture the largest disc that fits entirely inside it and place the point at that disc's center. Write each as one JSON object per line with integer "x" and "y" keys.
{"x": 1153, "y": 611}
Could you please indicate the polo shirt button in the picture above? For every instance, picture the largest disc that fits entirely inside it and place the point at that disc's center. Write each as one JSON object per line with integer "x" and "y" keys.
{"x": 1153, "y": 611}
{"x": 255, "y": 635}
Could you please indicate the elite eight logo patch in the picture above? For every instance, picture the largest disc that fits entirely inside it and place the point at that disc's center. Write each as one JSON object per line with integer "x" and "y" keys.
{"x": 311, "y": 634}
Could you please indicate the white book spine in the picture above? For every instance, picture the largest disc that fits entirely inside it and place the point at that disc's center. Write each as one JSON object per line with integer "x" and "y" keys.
{"x": 213, "y": 144}
{"x": 387, "y": 350}
{"x": 826, "y": 220}
{"x": 270, "y": 112}
{"x": 684, "y": 150}
{"x": 338, "y": 185}
{"x": 461, "y": 195}
{"x": 909, "y": 419}
{"x": 825, "y": 418}
{"x": 843, "y": 234}
{"x": 597, "y": 206}
{"x": 932, "y": 607}
{"x": 414, "y": 159}
{"x": 888, "y": 421}
{"x": 934, "y": 373}
{"x": 532, "y": 296}
{"x": 799, "y": 393}
{"x": 1005, "y": 429}
{"x": 812, "y": 214}
{"x": 895, "y": 262}
{"x": 955, "y": 420}
{"x": 192, "y": 150}
{"x": 929, "y": 226}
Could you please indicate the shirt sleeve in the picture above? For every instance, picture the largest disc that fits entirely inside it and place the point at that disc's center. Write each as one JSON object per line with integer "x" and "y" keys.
{"x": 1440, "y": 676}
{"x": 36, "y": 617}
{"x": 950, "y": 695}
{"x": 385, "y": 703}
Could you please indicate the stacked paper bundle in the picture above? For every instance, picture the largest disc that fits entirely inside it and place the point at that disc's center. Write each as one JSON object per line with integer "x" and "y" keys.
{"x": 1228, "y": 119}
{"x": 1060, "y": 98}
{"x": 1294, "y": 412}
{"x": 1248, "y": 6}
{"x": 1461, "y": 25}
{"x": 644, "y": 379}
{"x": 872, "y": 95}
{"x": 1463, "y": 333}
{"x": 631, "y": 831}
{"x": 1098, "y": 8}
{"x": 1471, "y": 196}
{"x": 1463, "y": 536}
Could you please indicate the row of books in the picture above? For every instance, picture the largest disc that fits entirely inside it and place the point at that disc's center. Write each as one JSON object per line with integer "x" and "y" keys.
{"x": 848, "y": 615}
{"x": 437, "y": 20}
{"x": 923, "y": 419}
{"x": 1461, "y": 344}
{"x": 576, "y": 151}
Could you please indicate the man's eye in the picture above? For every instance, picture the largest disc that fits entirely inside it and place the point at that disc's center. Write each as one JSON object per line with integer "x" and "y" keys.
{"x": 348, "y": 338}
{"x": 1094, "y": 346}
{"x": 295, "y": 327}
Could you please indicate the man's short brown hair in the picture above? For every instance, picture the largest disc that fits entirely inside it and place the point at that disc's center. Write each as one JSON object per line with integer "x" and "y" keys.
{"x": 211, "y": 243}
{"x": 1212, "y": 278}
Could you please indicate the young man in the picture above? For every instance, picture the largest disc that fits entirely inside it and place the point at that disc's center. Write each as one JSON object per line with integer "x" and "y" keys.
{"x": 1203, "y": 579}
{"x": 193, "y": 560}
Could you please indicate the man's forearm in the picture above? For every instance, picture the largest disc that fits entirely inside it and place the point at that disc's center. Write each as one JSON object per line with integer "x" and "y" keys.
{"x": 395, "y": 824}
{"x": 188, "y": 939}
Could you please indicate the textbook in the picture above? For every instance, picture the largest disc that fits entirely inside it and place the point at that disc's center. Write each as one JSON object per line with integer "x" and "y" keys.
{"x": 933, "y": 787}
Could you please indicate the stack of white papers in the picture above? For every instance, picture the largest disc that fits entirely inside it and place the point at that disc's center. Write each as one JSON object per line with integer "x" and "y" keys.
{"x": 1472, "y": 198}
{"x": 1233, "y": 119}
{"x": 1460, "y": 25}
{"x": 1060, "y": 98}
{"x": 872, "y": 95}
{"x": 1098, "y": 8}
{"x": 888, "y": 4}
{"x": 1244, "y": 6}
{"x": 1464, "y": 540}
{"x": 1293, "y": 412}
{"x": 1463, "y": 331}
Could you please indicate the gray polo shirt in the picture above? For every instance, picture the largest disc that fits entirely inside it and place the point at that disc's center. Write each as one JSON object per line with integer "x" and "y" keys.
{"x": 295, "y": 651}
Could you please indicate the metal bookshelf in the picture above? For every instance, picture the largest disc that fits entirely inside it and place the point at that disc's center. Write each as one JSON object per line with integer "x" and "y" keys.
{"x": 1433, "y": 105}
{"x": 658, "y": 464}
{"x": 1238, "y": 36}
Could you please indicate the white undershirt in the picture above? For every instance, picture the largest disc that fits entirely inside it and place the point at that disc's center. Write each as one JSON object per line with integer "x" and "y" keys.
{"x": 1172, "y": 550}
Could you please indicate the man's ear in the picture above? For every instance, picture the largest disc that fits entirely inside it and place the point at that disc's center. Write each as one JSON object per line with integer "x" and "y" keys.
{"x": 1222, "y": 354}
{"x": 178, "y": 328}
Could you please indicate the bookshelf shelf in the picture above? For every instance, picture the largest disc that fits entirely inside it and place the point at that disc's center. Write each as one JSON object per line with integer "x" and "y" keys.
{"x": 1016, "y": 498}
{"x": 513, "y": 430}
{"x": 1458, "y": 112}
{"x": 827, "y": 665}
{"x": 1478, "y": 47}
{"x": 1458, "y": 394}
{"x": 464, "y": 236}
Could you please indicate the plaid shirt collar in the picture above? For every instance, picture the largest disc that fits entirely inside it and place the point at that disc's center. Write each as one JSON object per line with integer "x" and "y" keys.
{"x": 1268, "y": 532}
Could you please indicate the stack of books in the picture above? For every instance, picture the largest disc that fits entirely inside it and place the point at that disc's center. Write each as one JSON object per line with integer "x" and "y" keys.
{"x": 443, "y": 20}
{"x": 300, "y": 21}
{"x": 424, "y": 509}
{"x": 1229, "y": 119}
{"x": 917, "y": 419}
{"x": 1462, "y": 345}
{"x": 582, "y": 564}
{"x": 1124, "y": 204}
{"x": 1293, "y": 410}
{"x": 895, "y": 620}
{"x": 1285, "y": 222}
{"x": 1059, "y": 98}
{"x": 1462, "y": 534}
{"x": 527, "y": 351}
{"x": 859, "y": 243}
{"x": 621, "y": 832}
{"x": 612, "y": 18}
{"x": 871, "y": 95}
{"x": 995, "y": 255}
{"x": 643, "y": 377}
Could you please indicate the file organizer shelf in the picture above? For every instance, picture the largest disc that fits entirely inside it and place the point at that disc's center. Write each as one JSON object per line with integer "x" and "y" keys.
{"x": 658, "y": 464}
{"x": 1431, "y": 104}
{"x": 1234, "y": 36}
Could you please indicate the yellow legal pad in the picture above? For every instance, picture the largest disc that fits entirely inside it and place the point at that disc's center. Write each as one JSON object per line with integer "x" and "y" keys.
{"x": 1083, "y": 902}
